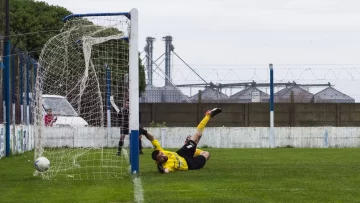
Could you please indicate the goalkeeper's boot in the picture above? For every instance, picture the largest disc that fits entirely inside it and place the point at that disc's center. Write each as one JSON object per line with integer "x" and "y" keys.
{"x": 213, "y": 112}
{"x": 187, "y": 139}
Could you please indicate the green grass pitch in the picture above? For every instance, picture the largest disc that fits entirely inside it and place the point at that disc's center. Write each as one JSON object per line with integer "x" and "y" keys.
{"x": 231, "y": 175}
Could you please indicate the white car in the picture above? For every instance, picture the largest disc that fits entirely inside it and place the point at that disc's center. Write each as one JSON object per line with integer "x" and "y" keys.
{"x": 62, "y": 109}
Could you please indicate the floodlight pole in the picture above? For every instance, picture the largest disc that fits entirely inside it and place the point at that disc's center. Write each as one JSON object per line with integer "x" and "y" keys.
{"x": 7, "y": 78}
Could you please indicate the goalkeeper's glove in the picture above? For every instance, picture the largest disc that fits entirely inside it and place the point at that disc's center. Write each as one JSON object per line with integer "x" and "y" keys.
{"x": 142, "y": 131}
{"x": 160, "y": 168}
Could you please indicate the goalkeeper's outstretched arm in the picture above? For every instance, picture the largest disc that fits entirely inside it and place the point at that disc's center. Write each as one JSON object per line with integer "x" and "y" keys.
{"x": 156, "y": 145}
{"x": 142, "y": 131}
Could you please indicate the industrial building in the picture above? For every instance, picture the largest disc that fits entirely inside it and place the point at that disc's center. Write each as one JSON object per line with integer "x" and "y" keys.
{"x": 249, "y": 94}
{"x": 331, "y": 95}
{"x": 211, "y": 93}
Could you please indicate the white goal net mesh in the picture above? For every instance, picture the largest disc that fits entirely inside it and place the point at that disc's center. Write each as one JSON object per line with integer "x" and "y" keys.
{"x": 75, "y": 125}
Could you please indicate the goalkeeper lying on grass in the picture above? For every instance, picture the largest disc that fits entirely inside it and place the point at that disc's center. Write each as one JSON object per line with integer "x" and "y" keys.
{"x": 186, "y": 158}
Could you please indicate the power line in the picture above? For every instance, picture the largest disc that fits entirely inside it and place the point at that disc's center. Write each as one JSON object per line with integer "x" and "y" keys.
{"x": 190, "y": 68}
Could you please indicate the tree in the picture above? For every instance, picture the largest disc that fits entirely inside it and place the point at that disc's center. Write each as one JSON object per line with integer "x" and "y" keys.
{"x": 142, "y": 81}
{"x": 33, "y": 23}
{"x": 2, "y": 18}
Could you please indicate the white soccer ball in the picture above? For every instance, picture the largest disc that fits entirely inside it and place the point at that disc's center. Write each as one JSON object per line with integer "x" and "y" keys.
{"x": 42, "y": 164}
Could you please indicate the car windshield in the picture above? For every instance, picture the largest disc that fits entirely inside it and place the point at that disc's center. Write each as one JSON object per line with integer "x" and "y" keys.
{"x": 59, "y": 106}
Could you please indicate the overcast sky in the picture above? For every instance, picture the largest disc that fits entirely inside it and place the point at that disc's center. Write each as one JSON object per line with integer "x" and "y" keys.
{"x": 238, "y": 34}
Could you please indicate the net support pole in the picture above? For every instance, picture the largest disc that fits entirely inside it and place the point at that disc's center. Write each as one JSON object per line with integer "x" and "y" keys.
{"x": 15, "y": 143}
{"x": 271, "y": 135}
{"x": 108, "y": 104}
{"x": 13, "y": 89}
{"x": 21, "y": 89}
{"x": 35, "y": 66}
{"x": 108, "y": 93}
{"x": 27, "y": 90}
{"x": 7, "y": 78}
{"x": 134, "y": 92}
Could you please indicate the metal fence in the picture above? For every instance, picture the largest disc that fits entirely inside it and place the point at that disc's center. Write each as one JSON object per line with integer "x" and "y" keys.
{"x": 22, "y": 81}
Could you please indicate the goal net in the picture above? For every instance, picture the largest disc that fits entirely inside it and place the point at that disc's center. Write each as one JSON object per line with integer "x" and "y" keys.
{"x": 82, "y": 82}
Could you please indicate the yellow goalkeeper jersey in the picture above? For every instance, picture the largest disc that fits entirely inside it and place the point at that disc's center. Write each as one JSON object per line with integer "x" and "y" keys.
{"x": 174, "y": 162}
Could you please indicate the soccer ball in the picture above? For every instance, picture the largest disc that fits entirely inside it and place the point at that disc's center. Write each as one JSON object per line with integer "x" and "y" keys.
{"x": 42, "y": 164}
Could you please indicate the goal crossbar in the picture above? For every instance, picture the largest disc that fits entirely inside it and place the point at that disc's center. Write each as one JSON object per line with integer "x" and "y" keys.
{"x": 126, "y": 14}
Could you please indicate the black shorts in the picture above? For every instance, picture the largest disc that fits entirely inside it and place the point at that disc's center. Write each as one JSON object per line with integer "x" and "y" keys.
{"x": 124, "y": 130}
{"x": 188, "y": 151}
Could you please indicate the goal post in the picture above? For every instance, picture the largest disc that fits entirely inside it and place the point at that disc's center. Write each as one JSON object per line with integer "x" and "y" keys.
{"x": 83, "y": 68}
{"x": 134, "y": 93}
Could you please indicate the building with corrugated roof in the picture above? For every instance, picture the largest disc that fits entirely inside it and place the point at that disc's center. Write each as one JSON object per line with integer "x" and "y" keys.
{"x": 249, "y": 94}
{"x": 209, "y": 95}
{"x": 295, "y": 94}
{"x": 331, "y": 95}
{"x": 166, "y": 94}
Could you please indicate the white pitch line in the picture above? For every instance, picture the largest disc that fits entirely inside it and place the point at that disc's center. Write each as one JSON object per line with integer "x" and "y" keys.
{"x": 138, "y": 189}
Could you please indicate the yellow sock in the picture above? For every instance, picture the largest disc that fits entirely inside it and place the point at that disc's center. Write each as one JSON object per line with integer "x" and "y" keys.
{"x": 203, "y": 123}
{"x": 197, "y": 152}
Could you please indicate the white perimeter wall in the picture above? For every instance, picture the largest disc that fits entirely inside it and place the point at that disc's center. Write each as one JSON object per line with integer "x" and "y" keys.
{"x": 258, "y": 137}
{"x": 217, "y": 137}
{"x": 21, "y": 139}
